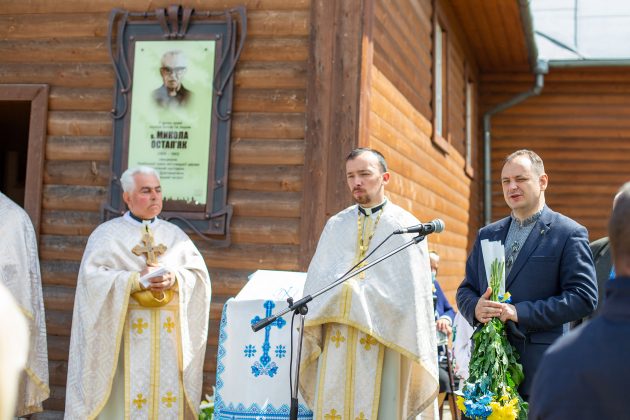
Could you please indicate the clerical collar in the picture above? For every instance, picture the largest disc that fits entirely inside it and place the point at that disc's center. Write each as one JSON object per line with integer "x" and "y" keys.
{"x": 531, "y": 219}
{"x": 139, "y": 220}
{"x": 372, "y": 210}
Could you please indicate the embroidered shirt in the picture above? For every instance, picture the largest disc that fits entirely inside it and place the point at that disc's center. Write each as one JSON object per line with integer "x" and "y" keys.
{"x": 516, "y": 237}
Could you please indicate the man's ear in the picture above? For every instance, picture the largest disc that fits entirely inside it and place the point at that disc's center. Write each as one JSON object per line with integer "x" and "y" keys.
{"x": 544, "y": 181}
{"x": 386, "y": 176}
{"x": 126, "y": 198}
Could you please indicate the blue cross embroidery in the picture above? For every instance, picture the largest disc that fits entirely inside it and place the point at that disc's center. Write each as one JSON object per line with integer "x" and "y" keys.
{"x": 265, "y": 366}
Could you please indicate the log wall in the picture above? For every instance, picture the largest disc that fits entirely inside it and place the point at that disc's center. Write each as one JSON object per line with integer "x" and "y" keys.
{"x": 580, "y": 127}
{"x": 63, "y": 44}
{"x": 425, "y": 180}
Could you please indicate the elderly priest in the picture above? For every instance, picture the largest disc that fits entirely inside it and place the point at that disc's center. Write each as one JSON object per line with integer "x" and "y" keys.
{"x": 140, "y": 319}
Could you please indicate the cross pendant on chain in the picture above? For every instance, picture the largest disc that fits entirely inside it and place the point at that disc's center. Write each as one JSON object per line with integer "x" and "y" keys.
{"x": 152, "y": 251}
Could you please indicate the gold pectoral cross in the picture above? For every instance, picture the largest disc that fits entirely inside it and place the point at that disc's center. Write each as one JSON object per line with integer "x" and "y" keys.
{"x": 152, "y": 251}
{"x": 366, "y": 228}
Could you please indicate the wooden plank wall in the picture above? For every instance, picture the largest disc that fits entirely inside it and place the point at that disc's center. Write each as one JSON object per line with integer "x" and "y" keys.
{"x": 63, "y": 43}
{"x": 579, "y": 125}
{"x": 425, "y": 181}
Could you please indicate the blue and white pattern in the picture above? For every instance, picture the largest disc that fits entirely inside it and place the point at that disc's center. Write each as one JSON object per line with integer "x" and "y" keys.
{"x": 281, "y": 351}
{"x": 250, "y": 351}
{"x": 240, "y": 393}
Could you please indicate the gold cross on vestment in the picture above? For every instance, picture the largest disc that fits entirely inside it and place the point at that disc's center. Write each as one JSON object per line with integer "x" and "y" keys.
{"x": 169, "y": 399}
{"x": 332, "y": 415}
{"x": 140, "y": 325}
{"x": 368, "y": 341}
{"x": 169, "y": 324}
{"x": 140, "y": 401}
{"x": 337, "y": 338}
{"x": 361, "y": 416}
{"x": 152, "y": 251}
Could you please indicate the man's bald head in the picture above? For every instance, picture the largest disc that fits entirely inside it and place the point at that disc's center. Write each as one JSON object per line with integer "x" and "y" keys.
{"x": 619, "y": 231}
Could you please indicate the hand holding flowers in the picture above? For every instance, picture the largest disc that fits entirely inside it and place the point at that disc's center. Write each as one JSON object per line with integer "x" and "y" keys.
{"x": 491, "y": 389}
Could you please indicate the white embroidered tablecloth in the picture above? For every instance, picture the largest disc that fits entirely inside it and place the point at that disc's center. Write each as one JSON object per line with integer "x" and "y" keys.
{"x": 253, "y": 367}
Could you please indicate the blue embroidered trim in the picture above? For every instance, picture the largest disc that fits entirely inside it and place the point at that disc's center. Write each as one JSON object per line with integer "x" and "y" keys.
{"x": 240, "y": 412}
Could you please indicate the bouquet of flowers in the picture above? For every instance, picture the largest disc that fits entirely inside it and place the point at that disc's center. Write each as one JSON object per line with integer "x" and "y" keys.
{"x": 491, "y": 389}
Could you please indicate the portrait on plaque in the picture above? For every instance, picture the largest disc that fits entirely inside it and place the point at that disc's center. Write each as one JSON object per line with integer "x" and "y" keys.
{"x": 174, "y": 79}
{"x": 170, "y": 128}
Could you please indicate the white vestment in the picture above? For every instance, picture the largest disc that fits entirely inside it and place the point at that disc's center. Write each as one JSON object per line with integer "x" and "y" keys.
{"x": 107, "y": 321}
{"x": 19, "y": 272}
{"x": 13, "y": 352}
{"x": 385, "y": 320}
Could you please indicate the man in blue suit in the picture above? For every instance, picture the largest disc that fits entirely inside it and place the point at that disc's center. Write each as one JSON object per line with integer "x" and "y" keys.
{"x": 584, "y": 375}
{"x": 548, "y": 267}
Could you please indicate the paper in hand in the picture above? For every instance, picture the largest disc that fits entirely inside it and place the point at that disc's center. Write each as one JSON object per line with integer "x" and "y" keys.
{"x": 144, "y": 280}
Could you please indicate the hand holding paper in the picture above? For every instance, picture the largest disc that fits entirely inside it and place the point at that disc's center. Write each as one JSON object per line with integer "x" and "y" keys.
{"x": 144, "y": 280}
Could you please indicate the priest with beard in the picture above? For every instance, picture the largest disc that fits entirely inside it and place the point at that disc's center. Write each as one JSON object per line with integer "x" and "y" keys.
{"x": 140, "y": 320}
{"x": 370, "y": 343}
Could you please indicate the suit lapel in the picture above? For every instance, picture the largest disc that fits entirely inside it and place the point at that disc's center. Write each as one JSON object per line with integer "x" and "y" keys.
{"x": 499, "y": 233}
{"x": 543, "y": 225}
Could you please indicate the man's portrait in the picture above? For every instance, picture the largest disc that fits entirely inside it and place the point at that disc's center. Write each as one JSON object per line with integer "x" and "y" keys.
{"x": 172, "y": 93}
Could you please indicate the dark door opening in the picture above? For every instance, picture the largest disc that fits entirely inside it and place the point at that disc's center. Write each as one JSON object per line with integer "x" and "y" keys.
{"x": 14, "y": 130}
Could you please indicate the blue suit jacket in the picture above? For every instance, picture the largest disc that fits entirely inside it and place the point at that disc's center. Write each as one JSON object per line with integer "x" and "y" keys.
{"x": 552, "y": 283}
{"x": 584, "y": 375}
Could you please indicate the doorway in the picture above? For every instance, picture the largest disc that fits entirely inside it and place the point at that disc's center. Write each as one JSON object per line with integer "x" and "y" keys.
{"x": 14, "y": 123}
{"x": 23, "y": 119}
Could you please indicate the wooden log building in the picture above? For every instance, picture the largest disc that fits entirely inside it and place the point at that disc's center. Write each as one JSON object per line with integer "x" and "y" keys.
{"x": 316, "y": 78}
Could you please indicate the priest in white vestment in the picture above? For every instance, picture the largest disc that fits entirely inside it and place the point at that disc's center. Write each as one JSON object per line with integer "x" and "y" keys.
{"x": 138, "y": 342}
{"x": 370, "y": 343}
{"x": 19, "y": 272}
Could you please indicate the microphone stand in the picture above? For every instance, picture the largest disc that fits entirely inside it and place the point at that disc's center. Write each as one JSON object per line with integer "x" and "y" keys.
{"x": 299, "y": 307}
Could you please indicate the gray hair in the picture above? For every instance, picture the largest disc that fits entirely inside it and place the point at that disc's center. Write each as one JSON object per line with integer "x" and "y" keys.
{"x": 173, "y": 53}
{"x": 127, "y": 178}
{"x": 537, "y": 163}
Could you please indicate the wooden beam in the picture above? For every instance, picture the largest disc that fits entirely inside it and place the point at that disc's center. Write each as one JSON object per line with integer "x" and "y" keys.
{"x": 333, "y": 115}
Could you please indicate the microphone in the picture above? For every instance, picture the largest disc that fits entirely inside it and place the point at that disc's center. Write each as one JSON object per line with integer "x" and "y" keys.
{"x": 435, "y": 226}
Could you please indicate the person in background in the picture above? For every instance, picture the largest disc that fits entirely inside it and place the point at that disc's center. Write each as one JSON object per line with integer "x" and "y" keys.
{"x": 443, "y": 308}
{"x": 603, "y": 266}
{"x": 444, "y": 317}
{"x": 584, "y": 375}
